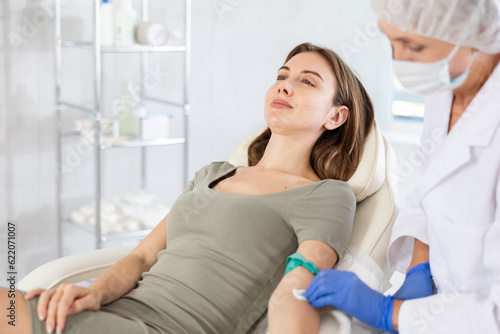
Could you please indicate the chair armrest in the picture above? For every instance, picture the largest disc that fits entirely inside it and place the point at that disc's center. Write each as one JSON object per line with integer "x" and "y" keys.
{"x": 73, "y": 268}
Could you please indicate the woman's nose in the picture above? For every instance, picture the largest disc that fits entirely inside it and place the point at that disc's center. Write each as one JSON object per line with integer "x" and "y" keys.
{"x": 285, "y": 88}
{"x": 398, "y": 53}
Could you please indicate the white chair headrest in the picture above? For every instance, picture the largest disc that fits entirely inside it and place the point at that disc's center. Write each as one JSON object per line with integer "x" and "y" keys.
{"x": 370, "y": 174}
{"x": 366, "y": 180}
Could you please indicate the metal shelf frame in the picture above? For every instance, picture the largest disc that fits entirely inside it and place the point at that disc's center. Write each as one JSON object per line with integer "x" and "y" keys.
{"x": 98, "y": 50}
{"x": 120, "y": 49}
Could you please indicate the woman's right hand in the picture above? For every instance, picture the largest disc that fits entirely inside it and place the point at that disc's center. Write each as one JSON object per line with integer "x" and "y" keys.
{"x": 55, "y": 305}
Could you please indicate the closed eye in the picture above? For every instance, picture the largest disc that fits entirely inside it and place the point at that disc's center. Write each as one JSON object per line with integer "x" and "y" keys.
{"x": 416, "y": 48}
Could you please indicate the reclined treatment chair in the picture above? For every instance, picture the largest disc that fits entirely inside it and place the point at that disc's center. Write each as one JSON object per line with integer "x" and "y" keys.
{"x": 375, "y": 213}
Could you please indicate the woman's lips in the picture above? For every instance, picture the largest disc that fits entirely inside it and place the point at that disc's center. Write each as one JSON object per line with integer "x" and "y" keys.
{"x": 280, "y": 104}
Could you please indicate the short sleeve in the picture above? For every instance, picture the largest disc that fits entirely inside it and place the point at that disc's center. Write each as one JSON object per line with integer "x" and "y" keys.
{"x": 326, "y": 214}
{"x": 199, "y": 175}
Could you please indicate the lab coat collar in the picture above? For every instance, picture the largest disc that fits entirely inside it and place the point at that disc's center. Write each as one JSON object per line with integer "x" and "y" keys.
{"x": 475, "y": 128}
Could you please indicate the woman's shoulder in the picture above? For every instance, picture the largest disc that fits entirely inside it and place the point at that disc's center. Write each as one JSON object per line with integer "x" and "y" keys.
{"x": 329, "y": 184}
{"x": 329, "y": 190}
{"x": 219, "y": 166}
{"x": 214, "y": 168}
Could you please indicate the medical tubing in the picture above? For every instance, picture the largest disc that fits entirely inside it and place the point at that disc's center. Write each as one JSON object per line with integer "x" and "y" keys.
{"x": 297, "y": 260}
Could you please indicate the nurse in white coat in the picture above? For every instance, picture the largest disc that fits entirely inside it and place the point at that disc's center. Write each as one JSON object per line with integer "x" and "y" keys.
{"x": 448, "y": 50}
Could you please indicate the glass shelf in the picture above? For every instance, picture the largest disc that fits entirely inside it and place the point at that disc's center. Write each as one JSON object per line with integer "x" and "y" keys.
{"x": 94, "y": 112}
{"x": 166, "y": 102}
{"x": 136, "y": 48}
{"x": 146, "y": 98}
{"x": 129, "y": 143}
{"x": 144, "y": 143}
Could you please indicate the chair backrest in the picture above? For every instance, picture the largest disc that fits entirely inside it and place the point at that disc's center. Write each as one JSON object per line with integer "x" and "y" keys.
{"x": 375, "y": 194}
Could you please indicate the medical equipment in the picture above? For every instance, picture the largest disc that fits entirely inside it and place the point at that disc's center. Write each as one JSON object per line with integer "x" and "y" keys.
{"x": 298, "y": 293}
{"x": 373, "y": 183}
{"x": 473, "y": 23}
{"x": 297, "y": 260}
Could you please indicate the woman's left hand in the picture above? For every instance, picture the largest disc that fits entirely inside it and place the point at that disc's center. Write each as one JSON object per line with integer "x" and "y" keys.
{"x": 344, "y": 290}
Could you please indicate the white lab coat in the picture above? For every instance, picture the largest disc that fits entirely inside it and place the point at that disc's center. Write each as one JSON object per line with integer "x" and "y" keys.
{"x": 455, "y": 210}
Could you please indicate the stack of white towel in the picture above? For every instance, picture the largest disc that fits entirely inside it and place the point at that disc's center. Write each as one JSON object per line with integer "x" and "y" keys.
{"x": 130, "y": 212}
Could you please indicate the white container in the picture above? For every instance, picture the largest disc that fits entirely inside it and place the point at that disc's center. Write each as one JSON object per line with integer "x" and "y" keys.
{"x": 155, "y": 126}
{"x": 125, "y": 21}
{"x": 154, "y": 33}
{"x": 106, "y": 19}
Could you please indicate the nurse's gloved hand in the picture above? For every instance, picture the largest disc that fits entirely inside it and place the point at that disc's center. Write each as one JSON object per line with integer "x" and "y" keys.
{"x": 417, "y": 284}
{"x": 344, "y": 290}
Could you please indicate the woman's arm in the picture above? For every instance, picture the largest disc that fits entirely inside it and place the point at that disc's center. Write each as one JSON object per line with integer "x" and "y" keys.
{"x": 420, "y": 254}
{"x": 55, "y": 304}
{"x": 286, "y": 313}
{"x": 124, "y": 275}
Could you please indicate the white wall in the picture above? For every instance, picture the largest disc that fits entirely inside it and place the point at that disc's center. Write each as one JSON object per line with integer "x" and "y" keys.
{"x": 237, "y": 48}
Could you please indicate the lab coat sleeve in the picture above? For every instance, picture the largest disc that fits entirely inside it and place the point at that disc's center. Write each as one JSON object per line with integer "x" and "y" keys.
{"x": 410, "y": 224}
{"x": 460, "y": 313}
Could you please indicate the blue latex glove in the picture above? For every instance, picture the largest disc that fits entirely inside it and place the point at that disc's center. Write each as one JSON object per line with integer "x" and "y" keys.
{"x": 417, "y": 284}
{"x": 344, "y": 290}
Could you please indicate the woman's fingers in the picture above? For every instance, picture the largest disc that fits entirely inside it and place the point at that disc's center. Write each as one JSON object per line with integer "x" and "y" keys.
{"x": 71, "y": 293}
{"x": 323, "y": 301}
{"x": 43, "y": 303}
{"x": 329, "y": 283}
{"x": 87, "y": 301}
{"x": 55, "y": 305}
{"x": 33, "y": 293}
{"x": 50, "y": 321}
{"x": 74, "y": 300}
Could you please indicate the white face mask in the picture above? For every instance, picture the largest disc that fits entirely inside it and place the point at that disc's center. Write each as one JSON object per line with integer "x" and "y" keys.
{"x": 428, "y": 78}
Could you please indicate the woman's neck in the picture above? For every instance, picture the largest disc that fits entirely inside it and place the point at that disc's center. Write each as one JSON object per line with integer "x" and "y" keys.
{"x": 290, "y": 155}
{"x": 480, "y": 71}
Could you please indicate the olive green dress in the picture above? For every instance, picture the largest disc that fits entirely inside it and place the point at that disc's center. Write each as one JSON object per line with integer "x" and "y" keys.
{"x": 225, "y": 255}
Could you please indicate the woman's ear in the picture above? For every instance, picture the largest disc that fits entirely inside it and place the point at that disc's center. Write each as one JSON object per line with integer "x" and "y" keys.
{"x": 336, "y": 117}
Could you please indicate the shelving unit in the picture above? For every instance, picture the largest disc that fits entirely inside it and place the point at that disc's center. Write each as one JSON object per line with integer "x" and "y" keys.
{"x": 96, "y": 111}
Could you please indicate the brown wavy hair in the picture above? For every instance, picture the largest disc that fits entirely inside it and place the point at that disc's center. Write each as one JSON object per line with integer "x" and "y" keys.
{"x": 336, "y": 153}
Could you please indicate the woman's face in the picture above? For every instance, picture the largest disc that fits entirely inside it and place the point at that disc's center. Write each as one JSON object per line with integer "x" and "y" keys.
{"x": 301, "y": 99}
{"x": 420, "y": 49}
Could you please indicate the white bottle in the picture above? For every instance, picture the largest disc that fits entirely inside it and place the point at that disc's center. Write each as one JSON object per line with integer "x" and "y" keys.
{"x": 128, "y": 110}
{"x": 107, "y": 27}
{"x": 125, "y": 21}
